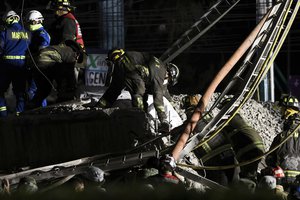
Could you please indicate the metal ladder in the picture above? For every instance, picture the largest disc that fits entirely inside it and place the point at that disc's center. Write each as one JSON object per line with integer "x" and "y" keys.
{"x": 104, "y": 162}
{"x": 261, "y": 54}
{"x": 208, "y": 20}
{"x": 255, "y": 66}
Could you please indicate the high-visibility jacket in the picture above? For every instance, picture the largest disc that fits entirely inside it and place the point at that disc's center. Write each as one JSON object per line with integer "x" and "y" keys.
{"x": 14, "y": 42}
{"x": 40, "y": 39}
{"x": 66, "y": 27}
{"x": 78, "y": 33}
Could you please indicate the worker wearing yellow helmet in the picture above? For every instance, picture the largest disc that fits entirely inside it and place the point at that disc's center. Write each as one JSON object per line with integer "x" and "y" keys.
{"x": 141, "y": 74}
{"x": 287, "y": 155}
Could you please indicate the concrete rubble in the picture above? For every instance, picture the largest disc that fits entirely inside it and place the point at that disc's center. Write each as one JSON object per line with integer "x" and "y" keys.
{"x": 263, "y": 117}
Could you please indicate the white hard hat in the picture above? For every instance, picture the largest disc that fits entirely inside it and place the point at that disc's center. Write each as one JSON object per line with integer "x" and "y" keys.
{"x": 10, "y": 15}
{"x": 35, "y": 16}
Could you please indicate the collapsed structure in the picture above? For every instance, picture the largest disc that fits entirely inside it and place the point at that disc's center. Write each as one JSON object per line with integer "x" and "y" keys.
{"x": 47, "y": 140}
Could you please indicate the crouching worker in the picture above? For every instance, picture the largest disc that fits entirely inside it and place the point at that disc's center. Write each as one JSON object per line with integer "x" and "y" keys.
{"x": 141, "y": 74}
{"x": 53, "y": 65}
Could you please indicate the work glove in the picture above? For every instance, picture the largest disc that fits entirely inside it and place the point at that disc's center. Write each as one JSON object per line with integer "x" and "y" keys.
{"x": 164, "y": 127}
{"x": 167, "y": 162}
{"x": 102, "y": 103}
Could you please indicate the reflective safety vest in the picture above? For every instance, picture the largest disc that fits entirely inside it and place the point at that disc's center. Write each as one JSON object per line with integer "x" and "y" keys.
{"x": 78, "y": 38}
{"x": 14, "y": 43}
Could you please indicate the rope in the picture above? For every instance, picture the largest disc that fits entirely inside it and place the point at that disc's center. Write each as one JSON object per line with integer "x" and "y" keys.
{"x": 265, "y": 66}
{"x": 29, "y": 52}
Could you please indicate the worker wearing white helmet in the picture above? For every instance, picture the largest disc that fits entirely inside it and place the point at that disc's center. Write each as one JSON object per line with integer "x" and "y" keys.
{"x": 40, "y": 40}
{"x": 14, "y": 41}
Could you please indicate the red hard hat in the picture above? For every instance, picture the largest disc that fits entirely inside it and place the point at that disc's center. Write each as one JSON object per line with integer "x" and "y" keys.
{"x": 278, "y": 172}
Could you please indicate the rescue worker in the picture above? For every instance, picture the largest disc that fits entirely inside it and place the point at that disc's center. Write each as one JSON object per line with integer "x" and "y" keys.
{"x": 51, "y": 61}
{"x": 40, "y": 39}
{"x": 236, "y": 143}
{"x": 171, "y": 79}
{"x": 247, "y": 145}
{"x": 218, "y": 152}
{"x": 141, "y": 74}
{"x": 14, "y": 42}
{"x": 66, "y": 27}
{"x": 287, "y": 156}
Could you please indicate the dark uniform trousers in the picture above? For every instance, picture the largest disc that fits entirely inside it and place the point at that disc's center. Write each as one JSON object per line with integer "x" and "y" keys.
{"x": 236, "y": 143}
{"x": 56, "y": 63}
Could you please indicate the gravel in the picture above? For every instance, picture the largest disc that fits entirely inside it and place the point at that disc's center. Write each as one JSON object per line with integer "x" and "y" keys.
{"x": 264, "y": 117}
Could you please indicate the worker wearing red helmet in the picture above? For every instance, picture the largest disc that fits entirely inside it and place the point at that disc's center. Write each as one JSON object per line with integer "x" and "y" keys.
{"x": 66, "y": 27}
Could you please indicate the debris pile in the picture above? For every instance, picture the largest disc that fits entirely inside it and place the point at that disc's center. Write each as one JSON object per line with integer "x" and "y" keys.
{"x": 262, "y": 116}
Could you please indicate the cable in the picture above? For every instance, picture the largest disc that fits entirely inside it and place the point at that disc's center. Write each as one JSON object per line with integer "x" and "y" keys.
{"x": 29, "y": 52}
{"x": 245, "y": 162}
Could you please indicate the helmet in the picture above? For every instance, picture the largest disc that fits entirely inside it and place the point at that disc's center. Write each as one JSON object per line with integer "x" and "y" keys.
{"x": 115, "y": 54}
{"x": 59, "y": 4}
{"x": 94, "y": 174}
{"x": 278, "y": 172}
{"x": 27, "y": 185}
{"x": 173, "y": 73}
{"x": 290, "y": 101}
{"x": 10, "y": 17}
{"x": 267, "y": 182}
{"x": 190, "y": 101}
{"x": 34, "y": 17}
{"x": 167, "y": 163}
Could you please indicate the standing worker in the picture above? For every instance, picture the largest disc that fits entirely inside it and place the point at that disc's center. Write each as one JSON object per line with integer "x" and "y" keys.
{"x": 141, "y": 74}
{"x": 287, "y": 156}
{"x": 14, "y": 41}
{"x": 66, "y": 27}
{"x": 40, "y": 39}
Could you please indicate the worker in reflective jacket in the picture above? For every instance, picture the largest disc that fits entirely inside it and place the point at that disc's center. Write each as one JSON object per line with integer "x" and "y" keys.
{"x": 141, "y": 74}
{"x": 66, "y": 27}
{"x": 287, "y": 156}
{"x": 51, "y": 61}
{"x": 40, "y": 39}
{"x": 14, "y": 41}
